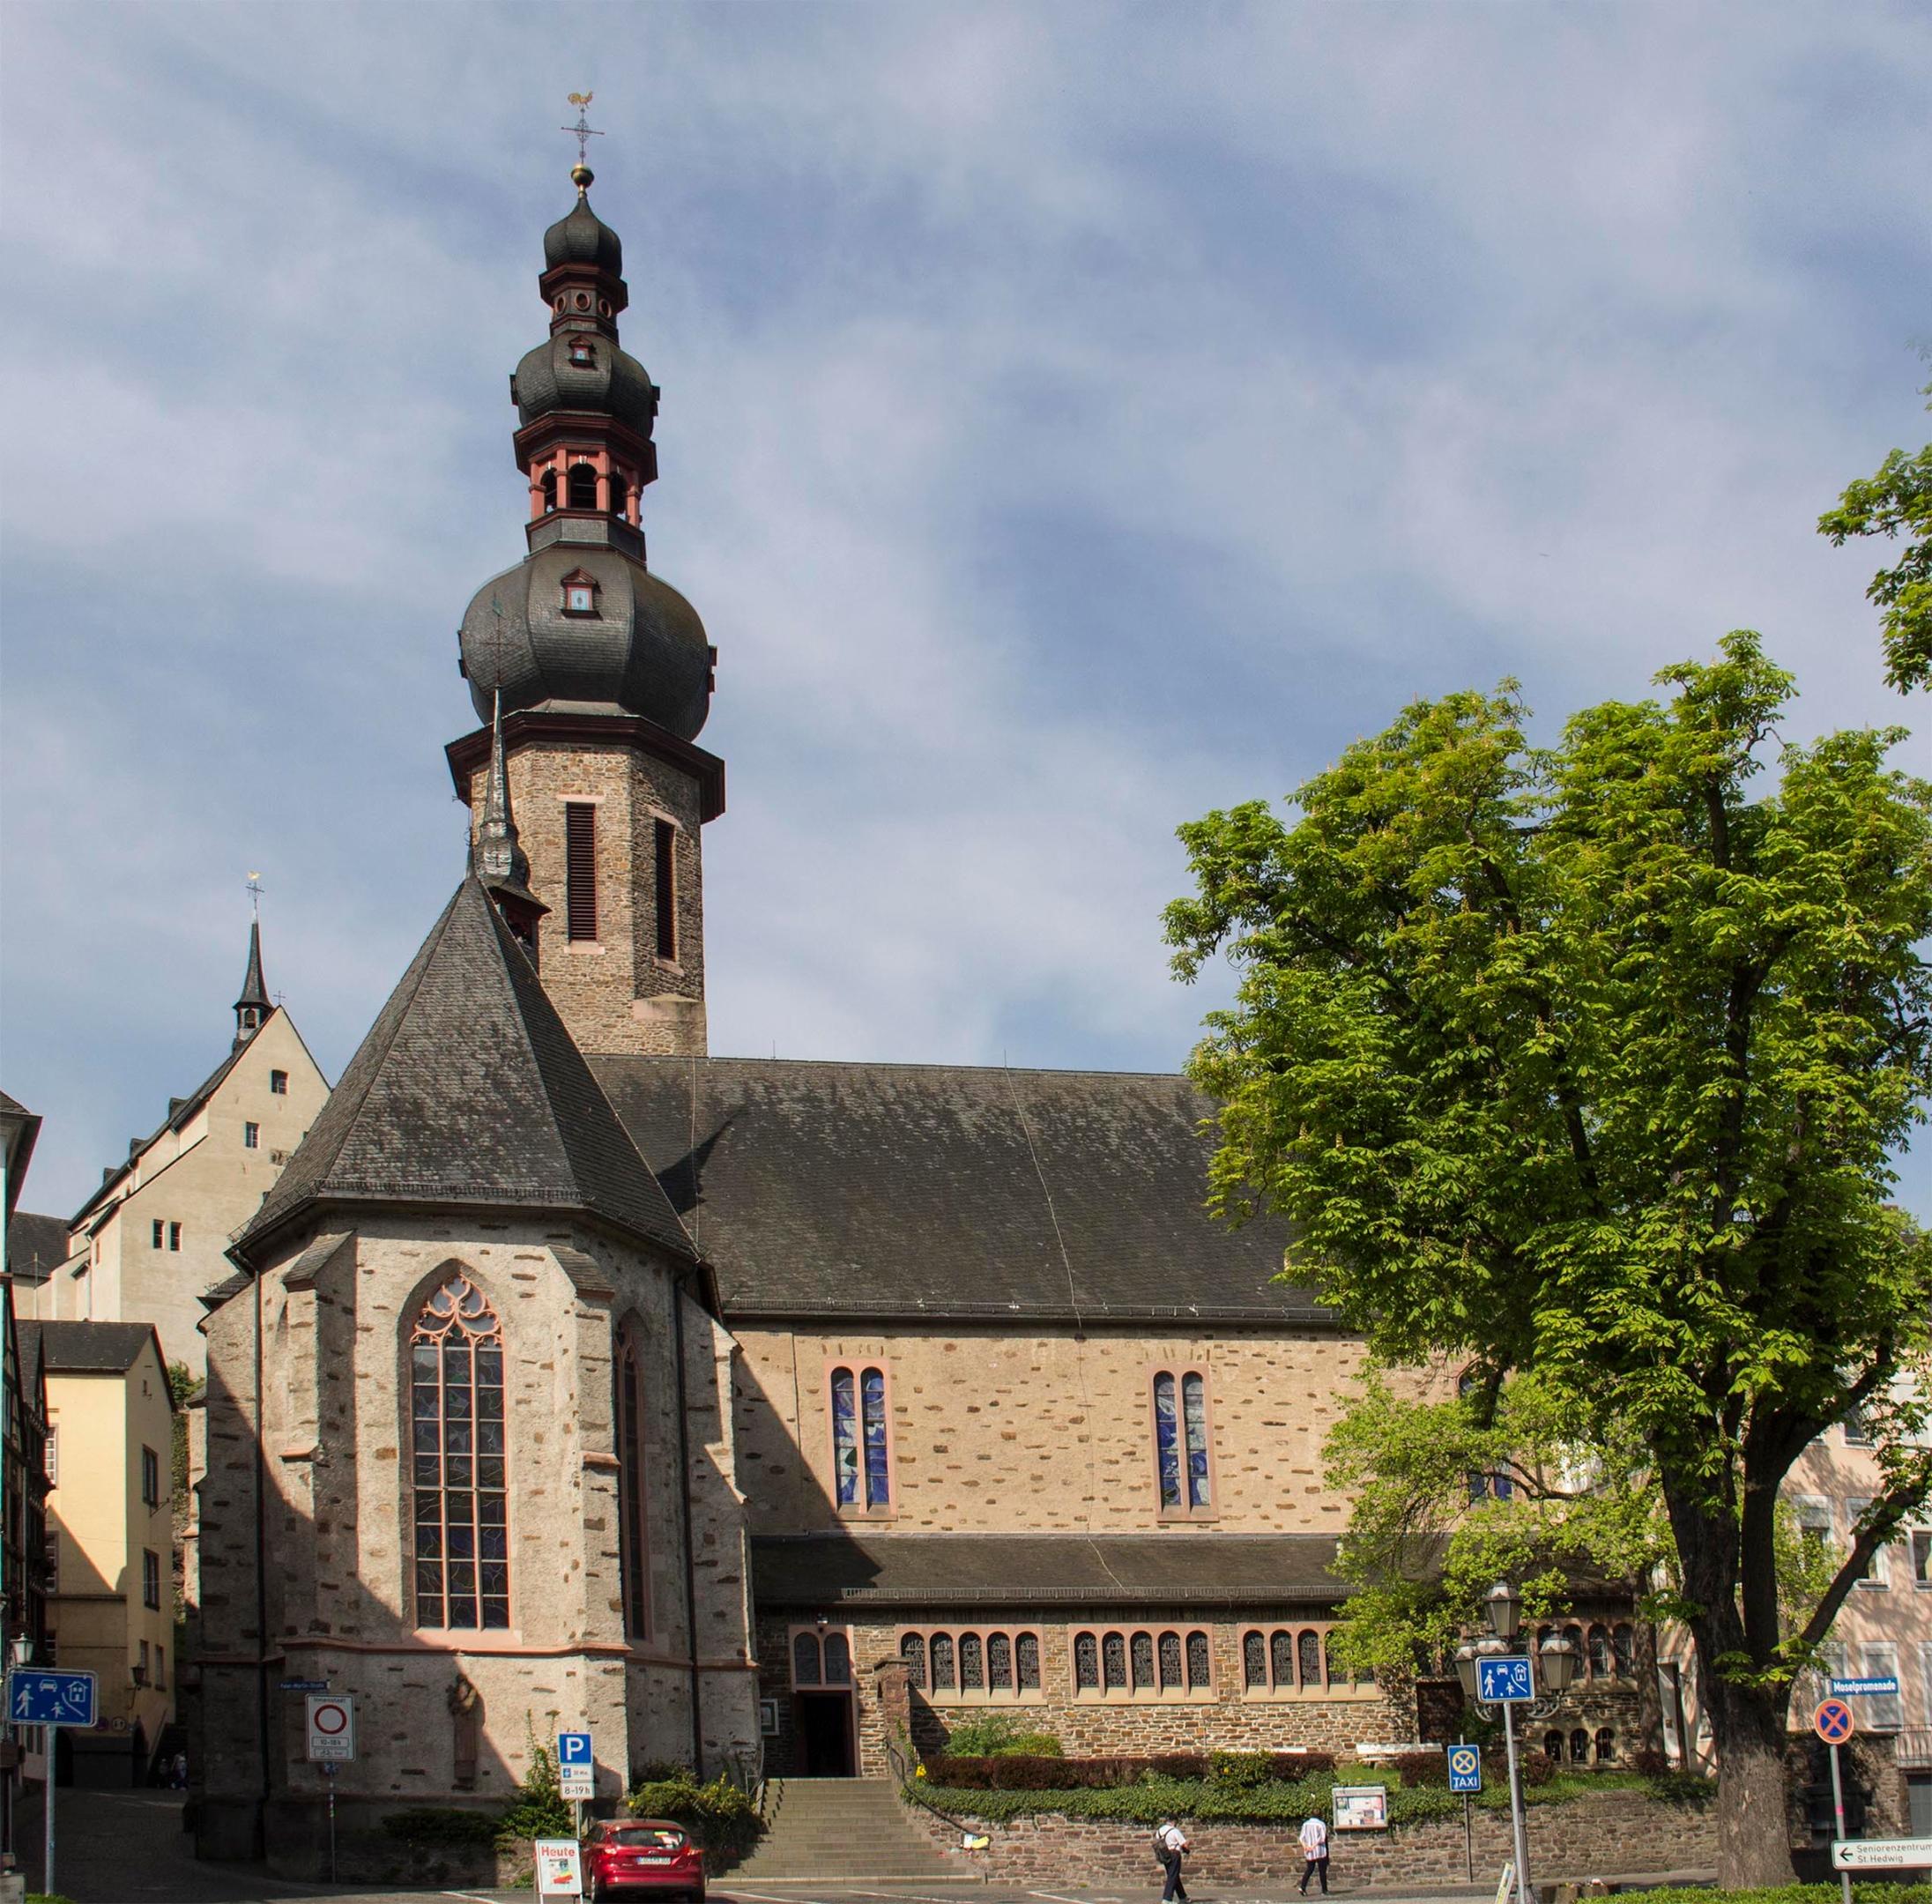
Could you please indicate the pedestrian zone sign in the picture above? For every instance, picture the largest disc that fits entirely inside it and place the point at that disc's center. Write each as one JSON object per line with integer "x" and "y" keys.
{"x": 332, "y": 1729}
{"x": 1504, "y": 1680}
{"x": 559, "y": 1872}
{"x": 1833, "y": 1721}
{"x": 41, "y": 1698}
{"x": 1465, "y": 1768}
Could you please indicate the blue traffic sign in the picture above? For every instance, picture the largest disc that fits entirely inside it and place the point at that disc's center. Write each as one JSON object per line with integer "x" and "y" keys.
{"x": 574, "y": 1749}
{"x": 38, "y": 1697}
{"x": 1465, "y": 1769}
{"x": 1504, "y": 1680}
{"x": 1833, "y": 1721}
{"x": 1872, "y": 1687}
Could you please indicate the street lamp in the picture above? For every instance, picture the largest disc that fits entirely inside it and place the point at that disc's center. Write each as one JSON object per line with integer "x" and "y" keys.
{"x": 1553, "y": 1666}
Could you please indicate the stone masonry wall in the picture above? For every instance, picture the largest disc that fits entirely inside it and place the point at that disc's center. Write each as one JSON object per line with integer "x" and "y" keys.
{"x": 615, "y": 993}
{"x": 1612, "y": 1834}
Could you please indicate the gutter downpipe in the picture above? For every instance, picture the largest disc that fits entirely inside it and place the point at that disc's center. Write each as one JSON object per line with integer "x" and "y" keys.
{"x": 261, "y": 1583}
{"x": 690, "y": 1563}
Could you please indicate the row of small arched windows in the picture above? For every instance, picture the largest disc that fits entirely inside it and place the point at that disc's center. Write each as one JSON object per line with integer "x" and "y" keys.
{"x": 579, "y": 490}
{"x": 1575, "y": 1747}
{"x": 1142, "y": 1662}
{"x": 1285, "y": 1661}
{"x": 1604, "y": 1652}
{"x": 971, "y": 1663}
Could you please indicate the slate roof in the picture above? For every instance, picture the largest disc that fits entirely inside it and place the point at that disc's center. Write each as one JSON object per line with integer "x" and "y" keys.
{"x": 86, "y": 1347}
{"x": 1177, "y": 1569}
{"x": 36, "y": 1246}
{"x": 917, "y": 1191}
{"x": 468, "y": 1091}
{"x": 181, "y": 1111}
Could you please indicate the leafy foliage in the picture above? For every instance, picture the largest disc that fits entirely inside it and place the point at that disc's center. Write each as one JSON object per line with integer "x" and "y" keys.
{"x": 1589, "y": 1064}
{"x": 1864, "y": 1891}
{"x": 1894, "y": 500}
{"x": 996, "y": 1734}
{"x": 1021, "y": 1772}
{"x": 539, "y": 1809}
{"x": 721, "y": 1815}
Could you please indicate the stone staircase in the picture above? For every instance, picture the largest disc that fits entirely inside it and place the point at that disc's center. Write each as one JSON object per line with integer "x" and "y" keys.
{"x": 820, "y": 1829}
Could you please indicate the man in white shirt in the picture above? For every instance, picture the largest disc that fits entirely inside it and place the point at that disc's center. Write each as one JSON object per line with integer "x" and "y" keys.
{"x": 1314, "y": 1837}
{"x": 1170, "y": 1842}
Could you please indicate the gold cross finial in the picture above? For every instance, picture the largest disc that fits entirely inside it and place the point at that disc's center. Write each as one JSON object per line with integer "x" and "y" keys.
{"x": 585, "y": 132}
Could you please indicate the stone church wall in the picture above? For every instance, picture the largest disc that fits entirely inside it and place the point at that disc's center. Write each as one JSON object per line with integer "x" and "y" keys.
{"x": 444, "y": 1715}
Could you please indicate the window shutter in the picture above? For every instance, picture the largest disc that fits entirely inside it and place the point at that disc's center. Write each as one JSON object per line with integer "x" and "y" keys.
{"x": 580, "y": 869}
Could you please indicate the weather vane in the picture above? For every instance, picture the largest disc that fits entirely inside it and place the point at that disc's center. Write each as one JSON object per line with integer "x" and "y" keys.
{"x": 585, "y": 132}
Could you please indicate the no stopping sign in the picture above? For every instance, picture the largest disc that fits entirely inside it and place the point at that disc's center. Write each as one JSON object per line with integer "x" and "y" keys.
{"x": 331, "y": 1728}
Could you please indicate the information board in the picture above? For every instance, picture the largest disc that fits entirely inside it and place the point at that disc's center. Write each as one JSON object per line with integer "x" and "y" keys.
{"x": 1361, "y": 1807}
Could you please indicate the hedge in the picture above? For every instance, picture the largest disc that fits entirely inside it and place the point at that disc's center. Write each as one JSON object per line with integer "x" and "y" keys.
{"x": 1864, "y": 1891}
{"x": 720, "y": 1816}
{"x": 1026, "y": 1771}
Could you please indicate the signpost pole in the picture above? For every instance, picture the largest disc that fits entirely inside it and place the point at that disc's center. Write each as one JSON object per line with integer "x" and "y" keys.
{"x": 1468, "y": 1834}
{"x": 47, "y": 1875}
{"x": 330, "y": 1771}
{"x": 1838, "y": 1812}
{"x": 1523, "y": 1891}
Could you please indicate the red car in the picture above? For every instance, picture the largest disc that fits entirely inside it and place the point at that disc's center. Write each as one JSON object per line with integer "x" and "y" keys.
{"x": 627, "y": 1857}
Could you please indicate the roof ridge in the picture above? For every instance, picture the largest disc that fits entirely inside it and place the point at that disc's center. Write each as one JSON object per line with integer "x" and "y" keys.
{"x": 893, "y": 1064}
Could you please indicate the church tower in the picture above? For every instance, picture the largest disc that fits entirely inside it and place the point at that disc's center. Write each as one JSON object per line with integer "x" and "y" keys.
{"x": 598, "y": 676}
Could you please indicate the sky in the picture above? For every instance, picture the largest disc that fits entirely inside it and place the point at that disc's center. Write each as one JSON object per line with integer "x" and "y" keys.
{"x": 1074, "y": 418}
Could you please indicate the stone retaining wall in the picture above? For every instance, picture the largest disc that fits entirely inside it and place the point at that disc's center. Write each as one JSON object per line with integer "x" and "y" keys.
{"x": 1610, "y": 1833}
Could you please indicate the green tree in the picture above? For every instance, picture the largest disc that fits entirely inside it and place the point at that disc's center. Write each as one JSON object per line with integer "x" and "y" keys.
{"x": 1585, "y": 1063}
{"x": 1896, "y": 501}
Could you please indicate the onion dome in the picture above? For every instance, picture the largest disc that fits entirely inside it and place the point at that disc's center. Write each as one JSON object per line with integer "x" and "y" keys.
{"x": 587, "y": 628}
{"x": 581, "y": 237}
{"x": 581, "y": 369}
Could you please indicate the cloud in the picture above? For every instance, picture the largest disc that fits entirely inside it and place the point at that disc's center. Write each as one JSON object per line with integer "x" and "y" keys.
{"x": 1073, "y": 419}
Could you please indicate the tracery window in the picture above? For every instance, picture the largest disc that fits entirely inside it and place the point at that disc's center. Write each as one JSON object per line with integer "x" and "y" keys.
{"x": 1027, "y": 1655}
{"x": 998, "y": 1663}
{"x": 1254, "y": 1669}
{"x": 861, "y": 1451}
{"x": 820, "y": 1657}
{"x": 912, "y": 1651}
{"x": 943, "y": 1675}
{"x": 462, "y": 1516}
{"x": 1143, "y": 1664}
{"x": 633, "y": 1552}
{"x": 1182, "y": 1465}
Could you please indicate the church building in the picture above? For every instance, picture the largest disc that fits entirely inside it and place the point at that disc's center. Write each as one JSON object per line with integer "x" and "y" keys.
{"x": 730, "y": 1409}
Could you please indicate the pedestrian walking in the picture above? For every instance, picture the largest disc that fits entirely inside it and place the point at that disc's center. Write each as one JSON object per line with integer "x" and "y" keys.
{"x": 1315, "y": 1851}
{"x": 1169, "y": 1847}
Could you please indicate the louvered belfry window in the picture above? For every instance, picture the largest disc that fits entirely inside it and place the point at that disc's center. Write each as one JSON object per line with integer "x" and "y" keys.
{"x": 580, "y": 869}
{"x": 462, "y": 1511}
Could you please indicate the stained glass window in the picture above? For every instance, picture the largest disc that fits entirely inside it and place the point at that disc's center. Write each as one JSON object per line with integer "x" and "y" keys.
{"x": 1281, "y": 1658}
{"x": 462, "y": 1518}
{"x": 1308, "y": 1653}
{"x": 972, "y": 1664}
{"x": 1142, "y": 1650}
{"x": 1170, "y": 1662}
{"x": 912, "y": 1651}
{"x": 633, "y": 1552}
{"x": 838, "y": 1660}
{"x": 1166, "y": 1452}
{"x": 1113, "y": 1662}
{"x": 1027, "y": 1649}
{"x": 1194, "y": 1414}
{"x": 845, "y": 1436}
{"x": 1086, "y": 1663}
{"x": 943, "y": 1679}
{"x": 872, "y": 1386}
{"x": 1000, "y": 1663}
{"x": 804, "y": 1659}
{"x": 1199, "y": 1676}
{"x": 1254, "y": 1662}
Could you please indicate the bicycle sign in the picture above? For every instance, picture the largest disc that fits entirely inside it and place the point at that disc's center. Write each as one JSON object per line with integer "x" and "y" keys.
{"x": 1506, "y": 1680}
{"x": 1833, "y": 1721}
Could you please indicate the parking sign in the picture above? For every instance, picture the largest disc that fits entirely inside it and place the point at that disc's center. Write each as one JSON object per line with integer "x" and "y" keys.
{"x": 1504, "y": 1680}
{"x": 576, "y": 1768}
{"x": 1465, "y": 1769}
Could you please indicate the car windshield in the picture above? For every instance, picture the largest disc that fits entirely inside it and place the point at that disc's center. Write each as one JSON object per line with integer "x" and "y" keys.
{"x": 644, "y": 1837}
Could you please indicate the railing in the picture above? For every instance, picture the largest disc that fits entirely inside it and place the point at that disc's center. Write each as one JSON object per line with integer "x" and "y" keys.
{"x": 910, "y": 1785}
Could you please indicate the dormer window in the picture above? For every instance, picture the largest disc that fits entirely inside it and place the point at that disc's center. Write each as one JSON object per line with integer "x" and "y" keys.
{"x": 580, "y": 593}
{"x": 582, "y": 355}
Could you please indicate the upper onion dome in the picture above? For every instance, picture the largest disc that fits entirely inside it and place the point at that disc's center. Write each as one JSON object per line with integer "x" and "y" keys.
{"x": 581, "y": 369}
{"x": 581, "y": 237}
{"x": 638, "y": 648}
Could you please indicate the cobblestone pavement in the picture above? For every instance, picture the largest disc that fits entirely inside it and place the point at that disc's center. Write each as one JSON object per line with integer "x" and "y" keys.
{"x": 127, "y": 1848}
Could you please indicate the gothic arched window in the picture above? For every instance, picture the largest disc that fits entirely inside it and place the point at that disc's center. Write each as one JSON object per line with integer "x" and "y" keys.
{"x": 1308, "y": 1657}
{"x": 1254, "y": 1672}
{"x": 1199, "y": 1676}
{"x": 1180, "y": 1442}
{"x": 1086, "y": 1663}
{"x": 1028, "y": 1650}
{"x": 1170, "y": 1662}
{"x": 634, "y": 1551}
{"x": 912, "y": 1651}
{"x": 462, "y": 1519}
{"x": 861, "y": 1460}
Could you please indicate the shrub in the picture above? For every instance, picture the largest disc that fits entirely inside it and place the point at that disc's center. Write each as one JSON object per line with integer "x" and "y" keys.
{"x": 1421, "y": 1769}
{"x": 539, "y": 1809}
{"x": 721, "y": 1815}
{"x": 442, "y": 1828}
{"x": 1242, "y": 1771}
{"x": 998, "y": 1735}
{"x": 1178, "y": 1765}
{"x": 1533, "y": 1767}
{"x": 1649, "y": 1762}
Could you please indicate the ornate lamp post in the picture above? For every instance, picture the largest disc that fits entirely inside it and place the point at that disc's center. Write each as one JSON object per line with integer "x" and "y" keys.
{"x": 1553, "y": 1667}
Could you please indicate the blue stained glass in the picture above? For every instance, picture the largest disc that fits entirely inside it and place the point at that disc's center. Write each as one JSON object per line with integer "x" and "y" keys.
{"x": 872, "y": 1399}
{"x": 1194, "y": 1410}
{"x": 844, "y": 1438}
{"x": 1166, "y": 1441}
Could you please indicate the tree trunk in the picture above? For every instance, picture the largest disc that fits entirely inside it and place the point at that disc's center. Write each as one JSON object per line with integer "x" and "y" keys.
{"x": 1753, "y": 1827}
{"x": 1650, "y": 1698}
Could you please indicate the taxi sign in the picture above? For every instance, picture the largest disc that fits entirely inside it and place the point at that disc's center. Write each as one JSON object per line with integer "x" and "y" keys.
{"x": 1465, "y": 1769}
{"x": 1833, "y": 1721}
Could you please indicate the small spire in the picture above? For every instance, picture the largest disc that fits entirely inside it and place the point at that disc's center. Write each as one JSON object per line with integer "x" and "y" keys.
{"x": 498, "y": 855}
{"x": 253, "y": 1006}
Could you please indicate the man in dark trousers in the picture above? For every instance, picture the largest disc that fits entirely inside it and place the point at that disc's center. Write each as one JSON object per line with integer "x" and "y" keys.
{"x": 1314, "y": 1837}
{"x": 1171, "y": 1846}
